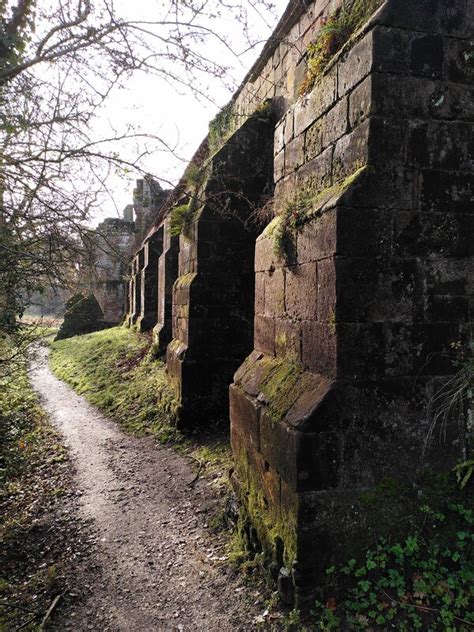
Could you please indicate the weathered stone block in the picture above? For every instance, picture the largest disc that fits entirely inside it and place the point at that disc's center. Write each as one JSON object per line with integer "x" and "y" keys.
{"x": 391, "y": 49}
{"x": 279, "y": 166}
{"x": 376, "y": 290}
{"x": 314, "y": 140}
{"x": 275, "y": 292}
{"x": 427, "y": 56}
{"x": 316, "y": 174}
{"x": 453, "y": 102}
{"x": 264, "y": 334}
{"x": 245, "y": 413}
{"x": 319, "y": 350}
{"x": 447, "y": 146}
{"x": 315, "y": 409}
{"x": 279, "y": 142}
{"x": 418, "y": 94}
{"x": 351, "y": 152}
{"x": 294, "y": 154}
{"x": 259, "y": 292}
{"x": 360, "y": 103}
{"x": 363, "y": 232}
{"x": 386, "y": 142}
{"x": 457, "y": 18}
{"x": 425, "y": 15}
{"x": 335, "y": 122}
{"x": 417, "y": 234}
{"x": 304, "y": 461}
{"x": 446, "y": 192}
{"x": 460, "y": 60}
{"x": 301, "y": 295}
{"x": 288, "y": 339}
{"x": 356, "y": 65}
{"x": 399, "y": 189}
{"x": 289, "y": 129}
{"x": 321, "y": 99}
{"x": 326, "y": 303}
{"x": 317, "y": 239}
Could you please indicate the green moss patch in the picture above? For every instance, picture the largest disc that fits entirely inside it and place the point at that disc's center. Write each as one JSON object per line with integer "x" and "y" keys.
{"x": 116, "y": 371}
{"x": 415, "y": 571}
{"x": 338, "y": 29}
{"x": 305, "y": 207}
{"x": 265, "y": 534}
{"x": 34, "y": 473}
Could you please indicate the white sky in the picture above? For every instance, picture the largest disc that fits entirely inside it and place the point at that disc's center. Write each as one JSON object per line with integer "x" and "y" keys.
{"x": 155, "y": 107}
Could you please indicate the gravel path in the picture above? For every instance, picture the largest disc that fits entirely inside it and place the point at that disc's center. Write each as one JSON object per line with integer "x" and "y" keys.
{"x": 160, "y": 569}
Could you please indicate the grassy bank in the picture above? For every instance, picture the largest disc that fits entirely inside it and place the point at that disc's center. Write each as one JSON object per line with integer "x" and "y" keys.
{"x": 116, "y": 370}
{"x": 33, "y": 473}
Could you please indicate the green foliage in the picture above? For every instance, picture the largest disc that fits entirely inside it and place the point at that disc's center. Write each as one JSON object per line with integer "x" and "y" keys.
{"x": 82, "y": 316}
{"x": 421, "y": 581}
{"x": 29, "y": 452}
{"x": 115, "y": 369}
{"x": 220, "y": 128}
{"x": 464, "y": 472}
{"x": 302, "y": 208}
{"x": 21, "y": 417}
{"x": 337, "y": 30}
{"x": 181, "y": 218}
{"x": 195, "y": 175}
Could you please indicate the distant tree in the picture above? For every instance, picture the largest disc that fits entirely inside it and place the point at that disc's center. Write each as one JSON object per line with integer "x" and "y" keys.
{"x": 59, "y": 61}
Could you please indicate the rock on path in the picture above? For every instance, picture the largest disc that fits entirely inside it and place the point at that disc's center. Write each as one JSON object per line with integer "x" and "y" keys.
{"x": 160, "y": 568}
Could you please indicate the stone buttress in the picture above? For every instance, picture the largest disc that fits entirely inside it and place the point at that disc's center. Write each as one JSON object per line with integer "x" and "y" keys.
{"x": 213, "y": 296}
{"x": 363, "y": 283}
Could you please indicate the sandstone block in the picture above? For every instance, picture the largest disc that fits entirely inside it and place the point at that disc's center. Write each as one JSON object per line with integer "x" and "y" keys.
{"x": 301, "y": 296}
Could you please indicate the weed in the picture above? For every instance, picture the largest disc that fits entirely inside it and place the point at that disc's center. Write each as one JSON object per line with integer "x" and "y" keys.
{"x": 337, "y": 30}
{"x": 421, "y": 581}
{"x": 181, "y": 218}
{"x": 220, "y": 128}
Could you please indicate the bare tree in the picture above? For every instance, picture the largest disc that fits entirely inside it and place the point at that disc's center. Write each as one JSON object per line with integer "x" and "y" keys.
{"x": 59, "y": 62}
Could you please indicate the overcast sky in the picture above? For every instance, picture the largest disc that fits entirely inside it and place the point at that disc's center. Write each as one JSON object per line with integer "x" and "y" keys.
{"x": 181, "y": 119}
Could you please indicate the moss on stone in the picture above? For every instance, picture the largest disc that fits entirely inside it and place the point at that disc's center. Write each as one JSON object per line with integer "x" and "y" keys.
{"x": 175, "y": 345}
{"x": 333, "y": 36}
{"x": 303, "y": 208}
{"x": 184, "y": 280}
{"x": 263, "y": 529}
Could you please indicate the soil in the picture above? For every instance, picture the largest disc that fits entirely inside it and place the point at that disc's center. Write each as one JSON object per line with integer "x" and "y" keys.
{"x": 154, "y": 563}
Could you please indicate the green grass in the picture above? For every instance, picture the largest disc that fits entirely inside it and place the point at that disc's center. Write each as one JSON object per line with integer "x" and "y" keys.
{"x": 115, "y": 370}
{"x": 30, "y": 452}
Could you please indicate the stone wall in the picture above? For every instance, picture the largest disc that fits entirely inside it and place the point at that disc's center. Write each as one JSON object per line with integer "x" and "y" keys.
{"x": 353, "y": 303}
{"x": 113, "y": 244}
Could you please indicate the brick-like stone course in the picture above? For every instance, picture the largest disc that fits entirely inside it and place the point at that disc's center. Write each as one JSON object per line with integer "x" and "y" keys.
{"x": 352, "y": 312}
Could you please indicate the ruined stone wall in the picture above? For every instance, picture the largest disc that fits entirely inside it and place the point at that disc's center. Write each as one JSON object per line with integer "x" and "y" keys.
{"x": 360, "y": 285}
{"x": 114, "y": 241}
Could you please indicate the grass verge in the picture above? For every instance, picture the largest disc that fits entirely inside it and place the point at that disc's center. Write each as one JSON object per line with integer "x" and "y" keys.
{"x": 34, "y": 473}
{"x": 116, "y": 370}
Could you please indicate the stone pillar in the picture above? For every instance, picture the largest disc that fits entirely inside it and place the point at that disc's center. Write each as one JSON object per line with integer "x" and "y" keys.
{"x": 136, "y": 286}
{"x": 113, "y": 243}
{"x": 363, "y": 284}
{"x": 167, "y": 274}
{"x": 213, "y": 295}
{"x": 153, "y": 248}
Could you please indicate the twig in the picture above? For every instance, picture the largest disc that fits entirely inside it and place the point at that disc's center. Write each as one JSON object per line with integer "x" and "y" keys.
{"x": 23, "y": 625}
{"x": 418, "y": 607}
{"x": 201, "y": 467}
{"x": 53, "y": 605}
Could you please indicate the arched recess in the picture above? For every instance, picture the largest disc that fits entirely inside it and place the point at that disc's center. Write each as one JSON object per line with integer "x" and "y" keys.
{"x": 213, "y": 296}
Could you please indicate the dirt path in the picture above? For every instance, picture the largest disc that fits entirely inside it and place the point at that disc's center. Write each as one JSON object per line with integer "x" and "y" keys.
{"x": 160, "y": 569}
